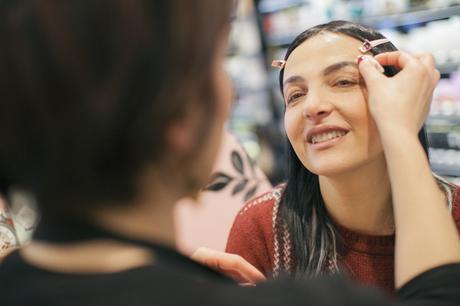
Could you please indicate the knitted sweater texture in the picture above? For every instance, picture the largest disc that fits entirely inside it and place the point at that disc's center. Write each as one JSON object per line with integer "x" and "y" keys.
{"x": 261, "y": 237}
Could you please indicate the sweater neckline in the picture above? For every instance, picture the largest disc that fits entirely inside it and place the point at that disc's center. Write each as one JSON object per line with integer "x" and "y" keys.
{"x": 366, "y": 243}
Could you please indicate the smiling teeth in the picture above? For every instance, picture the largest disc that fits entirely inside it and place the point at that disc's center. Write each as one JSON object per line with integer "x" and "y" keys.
{"x": 327, "y": 136}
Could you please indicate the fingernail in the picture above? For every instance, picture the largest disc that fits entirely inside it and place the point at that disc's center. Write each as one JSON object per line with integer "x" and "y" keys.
{"x": 247, "y": 285}
{"x": 361, "y": 58}
{"x": 372, "y": 60}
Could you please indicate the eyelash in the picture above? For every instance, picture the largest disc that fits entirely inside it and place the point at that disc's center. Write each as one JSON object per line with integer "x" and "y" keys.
{"x": 349, "y": 83}
{"x": 298, "y": 94}
{"x": 294, "y": 96}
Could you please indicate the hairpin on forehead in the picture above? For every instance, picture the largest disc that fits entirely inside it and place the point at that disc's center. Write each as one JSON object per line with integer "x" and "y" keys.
{"x": 368, "y": 45}
{"x": 279, "y": 64}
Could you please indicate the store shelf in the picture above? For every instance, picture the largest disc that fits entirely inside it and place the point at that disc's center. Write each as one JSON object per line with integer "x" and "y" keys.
{"x": 445, "y": 162}
{"x": 446, "y": 170}
{"x": 452, "y": 179}
{"x": 281, "y": 40}
{"x": 389, "y": 21}
{"x": 273, "y": 6}
{"x": 443, "y": 120}
{"x": 449, "y": 67}
{"x": 445, "y": 140}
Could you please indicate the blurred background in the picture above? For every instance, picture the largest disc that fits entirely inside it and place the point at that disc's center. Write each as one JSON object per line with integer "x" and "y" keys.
{"x": 263, "y": 30}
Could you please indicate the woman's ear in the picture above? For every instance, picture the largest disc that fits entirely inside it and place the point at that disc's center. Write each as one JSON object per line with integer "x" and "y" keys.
{"x": 180, "y": 136}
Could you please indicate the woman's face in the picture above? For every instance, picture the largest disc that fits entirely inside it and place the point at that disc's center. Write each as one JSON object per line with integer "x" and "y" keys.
{"x": 327, "y": 119}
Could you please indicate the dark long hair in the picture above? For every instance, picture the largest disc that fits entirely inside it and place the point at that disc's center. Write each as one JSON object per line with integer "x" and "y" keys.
{"x": 88, "y": 87}
{"x": 314, "y": 237}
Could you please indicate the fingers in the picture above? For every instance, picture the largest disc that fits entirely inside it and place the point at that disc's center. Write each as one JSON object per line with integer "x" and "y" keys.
{"x": 437, "y": 77}
{"x": 398, "y": 59}
{"x": 401, "y": 60}
{"x": 241, "y": 270}
{"x": 231, "y": 265}
{"x": 370, "y": 70}
{"x": 430, "y": 64}
{"x": 427, "y": 59}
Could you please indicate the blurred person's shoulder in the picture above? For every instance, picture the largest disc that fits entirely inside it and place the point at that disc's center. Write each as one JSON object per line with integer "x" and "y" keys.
{"x": 176, "y": 279}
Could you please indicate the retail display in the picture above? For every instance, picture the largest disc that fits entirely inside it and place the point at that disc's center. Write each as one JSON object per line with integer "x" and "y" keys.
{"x": 8, "y": 238}
{"x": 253, "y": 120}
{"x": 245, "y": 64}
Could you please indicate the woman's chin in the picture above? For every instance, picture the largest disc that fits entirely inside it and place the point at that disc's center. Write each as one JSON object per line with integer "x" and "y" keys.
{"x": 331, "y": 169}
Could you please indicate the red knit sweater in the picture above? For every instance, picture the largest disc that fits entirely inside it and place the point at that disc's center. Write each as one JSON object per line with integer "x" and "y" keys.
{"x": 368, "y": 259}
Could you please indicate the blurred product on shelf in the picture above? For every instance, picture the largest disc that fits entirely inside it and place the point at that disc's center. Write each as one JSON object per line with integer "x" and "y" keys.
{"x": 443, "y": 128}
{"x": 253, "y": 106}
{"x": 446, "y": 97}
{"x": 8, "y": 238}
{"x": 24, "y": 213}
{"x": 282, "y": 24}
{"x": 441, "y": 38}
{"x": 445, "y": 162}
{"x": 18, "y": 220}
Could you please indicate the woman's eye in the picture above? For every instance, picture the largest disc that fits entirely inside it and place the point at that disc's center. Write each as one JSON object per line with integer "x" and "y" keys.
{"x": 295, "y": 96}
{"x": 345, "y": 83}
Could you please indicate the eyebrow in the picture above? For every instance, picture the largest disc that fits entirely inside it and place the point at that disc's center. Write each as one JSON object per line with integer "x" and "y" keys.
{"x": 337, "y": 66}
{"x": 326, "y": 71}
{"x": 293, "y": 79}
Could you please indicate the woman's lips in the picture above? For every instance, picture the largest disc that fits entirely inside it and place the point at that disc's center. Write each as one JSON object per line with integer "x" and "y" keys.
{"x": 325, "y": 136}
{"x": 327, "y": 143}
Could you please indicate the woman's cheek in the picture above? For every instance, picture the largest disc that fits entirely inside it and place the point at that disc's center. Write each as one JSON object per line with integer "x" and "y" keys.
{"x": 290, "y": 126}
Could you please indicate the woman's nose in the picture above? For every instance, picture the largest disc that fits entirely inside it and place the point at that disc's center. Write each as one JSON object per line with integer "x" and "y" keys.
{"x": 316, "y": 108}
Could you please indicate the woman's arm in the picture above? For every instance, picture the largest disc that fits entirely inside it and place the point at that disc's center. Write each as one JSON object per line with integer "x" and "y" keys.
{"x": 426, "y": 236}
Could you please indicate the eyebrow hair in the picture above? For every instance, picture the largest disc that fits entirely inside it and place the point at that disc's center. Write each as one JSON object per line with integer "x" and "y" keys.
{"x": 337, "y": 66}
{"x": 326, "y": 71}
{"x": 293, "y": 79}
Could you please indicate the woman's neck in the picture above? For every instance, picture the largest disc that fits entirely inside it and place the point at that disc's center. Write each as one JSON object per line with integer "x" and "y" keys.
{"x": 361, "y": 200}
{"x": 149, "y": 217}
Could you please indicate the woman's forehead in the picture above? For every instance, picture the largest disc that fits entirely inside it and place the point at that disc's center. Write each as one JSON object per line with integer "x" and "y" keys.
{"x": 322, "y": 50}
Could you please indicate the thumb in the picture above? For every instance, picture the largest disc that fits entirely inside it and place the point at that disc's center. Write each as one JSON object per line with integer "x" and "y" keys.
{"x": 371, "y": 70}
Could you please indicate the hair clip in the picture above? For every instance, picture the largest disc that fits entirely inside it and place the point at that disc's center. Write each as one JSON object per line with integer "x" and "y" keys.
{"x": 279, "y": 64}
{"x": 368, "y": 45}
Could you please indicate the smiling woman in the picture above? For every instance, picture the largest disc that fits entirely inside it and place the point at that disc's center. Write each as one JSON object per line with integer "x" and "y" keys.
{"x": 336, "y": 211}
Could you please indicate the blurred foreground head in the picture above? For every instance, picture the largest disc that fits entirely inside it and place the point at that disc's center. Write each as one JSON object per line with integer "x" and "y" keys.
{"x": 94, "y": 92}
